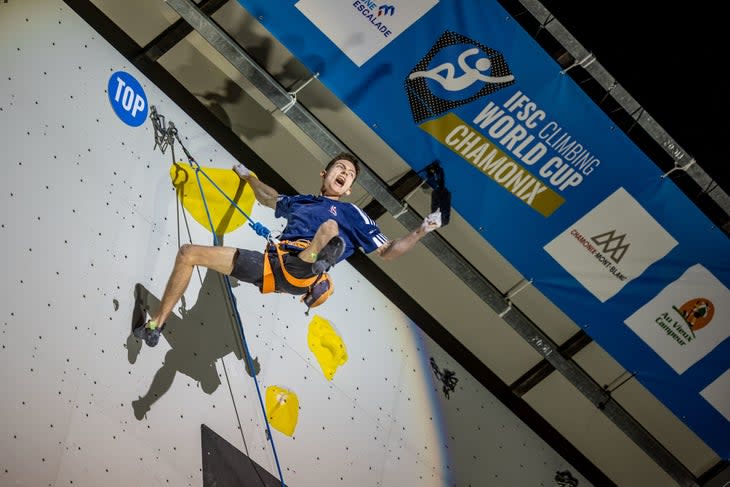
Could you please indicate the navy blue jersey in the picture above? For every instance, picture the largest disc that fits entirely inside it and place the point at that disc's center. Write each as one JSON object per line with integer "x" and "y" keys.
{"x": 305, "y": 213}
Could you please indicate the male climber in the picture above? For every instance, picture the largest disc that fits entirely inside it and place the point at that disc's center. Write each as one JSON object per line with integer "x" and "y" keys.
{"x": 321, "y": 230}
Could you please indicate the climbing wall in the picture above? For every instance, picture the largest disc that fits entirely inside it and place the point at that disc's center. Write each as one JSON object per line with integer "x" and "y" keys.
{"x": 90, "y": 228}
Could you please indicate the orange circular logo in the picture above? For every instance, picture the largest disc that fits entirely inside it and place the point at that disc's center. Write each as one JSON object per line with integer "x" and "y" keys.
{"x": 697, "y": 312}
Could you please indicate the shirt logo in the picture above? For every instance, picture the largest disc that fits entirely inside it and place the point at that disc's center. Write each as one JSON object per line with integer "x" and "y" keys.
{"x": 333, "y": 210}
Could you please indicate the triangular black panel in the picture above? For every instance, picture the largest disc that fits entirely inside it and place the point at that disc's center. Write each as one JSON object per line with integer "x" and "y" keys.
{"x": 225, "y": 466}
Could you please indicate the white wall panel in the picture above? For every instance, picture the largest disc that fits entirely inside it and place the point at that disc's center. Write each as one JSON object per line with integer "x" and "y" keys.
{"x": 88, "y": 214}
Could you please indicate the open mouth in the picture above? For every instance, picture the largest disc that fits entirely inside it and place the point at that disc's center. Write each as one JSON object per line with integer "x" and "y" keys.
{"x": 340, "y": 180}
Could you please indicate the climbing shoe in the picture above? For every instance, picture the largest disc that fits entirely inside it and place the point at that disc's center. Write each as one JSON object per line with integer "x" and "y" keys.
{"x": 329, "y": 255}
{"x": 149, "y": 335}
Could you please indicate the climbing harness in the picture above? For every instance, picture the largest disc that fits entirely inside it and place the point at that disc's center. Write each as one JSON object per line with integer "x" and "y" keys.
{"x": 319, "y": 287}
{"x": 166, "y": 134}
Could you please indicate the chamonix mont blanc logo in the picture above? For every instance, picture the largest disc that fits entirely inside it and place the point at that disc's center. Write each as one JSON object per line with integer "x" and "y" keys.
{"x": 612, "y": 245}
{"x": 607, "y": 248}
{"x": 455, "y": 71}
{"x": 684, "y": 334}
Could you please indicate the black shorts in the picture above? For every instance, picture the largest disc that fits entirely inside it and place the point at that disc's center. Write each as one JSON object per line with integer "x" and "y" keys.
{"x": 248, "y": 266}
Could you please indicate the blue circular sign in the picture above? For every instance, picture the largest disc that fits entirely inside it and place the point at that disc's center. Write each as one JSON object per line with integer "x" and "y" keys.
{"x": 127, "y": 98}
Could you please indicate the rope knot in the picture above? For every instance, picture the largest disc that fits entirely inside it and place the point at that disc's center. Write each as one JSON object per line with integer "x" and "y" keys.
{"x": 260, "y": 229}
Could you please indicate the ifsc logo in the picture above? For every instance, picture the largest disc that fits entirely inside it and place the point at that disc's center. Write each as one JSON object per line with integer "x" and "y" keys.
{"x": 456, "y": 71}
{"x": 127, "y": 98}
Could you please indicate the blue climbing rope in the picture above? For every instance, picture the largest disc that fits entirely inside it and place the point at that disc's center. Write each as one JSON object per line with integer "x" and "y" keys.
{"x": 165, "y": 136}
{"x": 263, "y": 231}
{"x": 256, "y": 226}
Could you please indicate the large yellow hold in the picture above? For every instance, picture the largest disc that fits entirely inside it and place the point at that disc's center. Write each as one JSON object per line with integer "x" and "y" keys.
{"x": 326, "y": 345}
{"x": 282, "y": 409}
{"x": 224, "y": 215}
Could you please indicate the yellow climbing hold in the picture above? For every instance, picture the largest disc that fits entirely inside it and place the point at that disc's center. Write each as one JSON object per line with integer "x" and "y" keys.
{"x": 224, "y": 215}
{"x": 282, "y": 409}
{"x": 326, "y": 345}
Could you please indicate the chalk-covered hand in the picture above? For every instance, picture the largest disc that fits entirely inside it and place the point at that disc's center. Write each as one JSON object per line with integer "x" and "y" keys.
{"x": 241, "y": 170}
{"x": 432, "y": 222}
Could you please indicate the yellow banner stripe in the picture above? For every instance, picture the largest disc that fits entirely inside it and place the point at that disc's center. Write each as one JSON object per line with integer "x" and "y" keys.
{"x": 475, "y": 148}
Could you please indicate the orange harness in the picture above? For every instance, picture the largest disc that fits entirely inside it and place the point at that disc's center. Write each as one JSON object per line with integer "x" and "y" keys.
{"x": 319, "y": 287}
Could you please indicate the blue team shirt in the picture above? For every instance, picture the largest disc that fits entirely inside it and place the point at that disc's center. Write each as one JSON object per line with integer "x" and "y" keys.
{"x": 305, "y": 213}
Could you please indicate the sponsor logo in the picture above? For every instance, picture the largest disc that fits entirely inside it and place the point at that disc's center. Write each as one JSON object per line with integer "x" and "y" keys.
{"x": 612, "y": 244}
{"x": 681, "y": 324}
{"x": 675, "y": 328}
{"x": 386, "y": 10}
{"x": 608, "y": 250}
{"x": 696, "y": 313}
{"x": 362, "y": 28}
{"x": 682, "y": 334}
{"x": 456, "y": 70}
{"x": 372, "y": 12}
{"x": 601, "y": 249}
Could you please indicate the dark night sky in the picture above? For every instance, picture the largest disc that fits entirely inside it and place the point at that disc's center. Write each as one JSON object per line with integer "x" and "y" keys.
{"x": 672, "y": 60}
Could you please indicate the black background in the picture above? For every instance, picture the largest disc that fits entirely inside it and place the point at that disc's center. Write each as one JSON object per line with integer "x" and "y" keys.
{"x": 672, "y": 59}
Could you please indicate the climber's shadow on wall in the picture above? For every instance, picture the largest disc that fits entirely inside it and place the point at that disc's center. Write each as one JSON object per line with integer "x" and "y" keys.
{"x": 197, "y": 339}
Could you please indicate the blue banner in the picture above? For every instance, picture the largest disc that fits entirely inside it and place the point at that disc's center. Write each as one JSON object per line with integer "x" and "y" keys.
{"x": 542, "y": 174}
